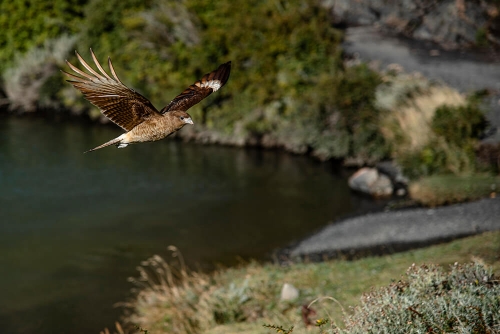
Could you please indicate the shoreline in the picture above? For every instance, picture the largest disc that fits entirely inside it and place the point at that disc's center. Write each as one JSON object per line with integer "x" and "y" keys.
{"x": 395, "y": 231}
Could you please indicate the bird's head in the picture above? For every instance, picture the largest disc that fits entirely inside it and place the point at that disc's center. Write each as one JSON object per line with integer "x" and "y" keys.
{"x": 182, "y": 118}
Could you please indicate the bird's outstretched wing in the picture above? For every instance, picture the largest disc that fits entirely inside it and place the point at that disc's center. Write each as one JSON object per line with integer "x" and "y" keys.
{"x": 208, "y": 84}
{"x": 120, "y": 104}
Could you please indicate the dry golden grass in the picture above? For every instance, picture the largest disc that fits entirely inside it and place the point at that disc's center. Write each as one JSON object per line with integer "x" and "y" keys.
{"x": 411, "y": 101}
{"x": 414, "y": 119}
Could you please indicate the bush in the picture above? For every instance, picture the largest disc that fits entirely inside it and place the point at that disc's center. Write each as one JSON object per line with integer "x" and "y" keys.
{"x": 465, "y": 300}
{"x": 33, "y": 82}
{"x": 452, "y": 142}
{"x": 457, "y": 125}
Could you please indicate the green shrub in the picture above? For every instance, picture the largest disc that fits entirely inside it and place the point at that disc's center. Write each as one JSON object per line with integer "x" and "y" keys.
{"x": 430, "y": 300}
{"x": 452, "y": 144}
{"x": 439, "y": 157}
{"x": 360, "y": 117}
{"x": 457, "y": 125}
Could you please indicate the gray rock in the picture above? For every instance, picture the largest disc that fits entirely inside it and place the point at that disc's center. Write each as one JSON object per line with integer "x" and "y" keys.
{"x": 450, "y": 23}
{"x": 452, "y": 26}
{"x": 394, "y": 172}
{"x": 371, "y": 182}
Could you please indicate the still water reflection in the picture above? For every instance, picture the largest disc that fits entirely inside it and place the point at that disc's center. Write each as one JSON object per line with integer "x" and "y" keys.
{"x": 73, "y": 226}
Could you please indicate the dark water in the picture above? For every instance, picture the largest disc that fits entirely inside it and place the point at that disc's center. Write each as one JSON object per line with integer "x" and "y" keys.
{"x": 73, "y": 227}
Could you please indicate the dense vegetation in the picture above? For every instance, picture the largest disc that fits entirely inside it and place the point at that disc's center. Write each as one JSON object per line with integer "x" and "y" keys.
{"x": 290, "y": 86}
{"x": 28, "y": 24}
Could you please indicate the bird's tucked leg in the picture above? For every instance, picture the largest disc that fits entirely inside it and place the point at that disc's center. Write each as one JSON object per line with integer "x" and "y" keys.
{"x": 121, "y": 145}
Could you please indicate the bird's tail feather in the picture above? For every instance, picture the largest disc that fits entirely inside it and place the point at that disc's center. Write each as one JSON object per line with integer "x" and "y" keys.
{"x": 109, "y": 143}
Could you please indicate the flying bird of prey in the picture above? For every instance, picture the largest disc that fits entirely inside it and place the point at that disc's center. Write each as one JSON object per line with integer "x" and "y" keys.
{"x": 133, "y": 112}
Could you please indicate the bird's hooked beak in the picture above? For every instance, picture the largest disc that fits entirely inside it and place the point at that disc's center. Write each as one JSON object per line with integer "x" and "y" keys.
{"x": 188, "y": 120}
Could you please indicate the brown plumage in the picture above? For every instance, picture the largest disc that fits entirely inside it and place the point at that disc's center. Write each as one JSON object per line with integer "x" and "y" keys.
{"x": 133, "y": 112}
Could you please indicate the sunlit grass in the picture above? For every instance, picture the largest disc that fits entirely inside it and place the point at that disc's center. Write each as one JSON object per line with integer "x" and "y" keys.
{"x": 412, "y": 101}
{"x": 446, "y": 189}
{"x": 241, "y": 300}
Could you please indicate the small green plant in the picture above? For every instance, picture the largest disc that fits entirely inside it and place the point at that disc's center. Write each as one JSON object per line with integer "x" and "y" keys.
{"x": 321, "y": 322}
{"x": 279, "y": 329}
{"x": 482, "y": 36}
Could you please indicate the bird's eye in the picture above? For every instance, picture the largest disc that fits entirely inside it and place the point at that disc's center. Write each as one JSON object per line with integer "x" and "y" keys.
{"x": 182, "y": 118}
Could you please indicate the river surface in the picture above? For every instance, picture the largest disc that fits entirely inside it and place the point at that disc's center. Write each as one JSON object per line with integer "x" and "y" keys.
{"x": 74, "y": 226}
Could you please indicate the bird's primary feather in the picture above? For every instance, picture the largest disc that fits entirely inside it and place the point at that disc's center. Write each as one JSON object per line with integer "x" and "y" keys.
{"x": 196, "y": 92}
{"x": 122, "y": 105}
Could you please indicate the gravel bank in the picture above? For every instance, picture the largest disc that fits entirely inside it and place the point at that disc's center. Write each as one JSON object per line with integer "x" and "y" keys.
{"x": 404, "y": 229}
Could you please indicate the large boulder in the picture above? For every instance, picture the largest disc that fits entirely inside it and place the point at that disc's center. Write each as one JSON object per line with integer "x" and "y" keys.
{"x": 370, "y": 181}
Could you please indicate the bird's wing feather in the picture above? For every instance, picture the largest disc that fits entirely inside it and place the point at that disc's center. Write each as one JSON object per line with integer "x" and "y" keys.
{"x": 208, "y": 84}
{"x": 120, "y": 104}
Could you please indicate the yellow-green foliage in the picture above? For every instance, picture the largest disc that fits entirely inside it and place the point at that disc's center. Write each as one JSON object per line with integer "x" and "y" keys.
{"x": 288, "y": 86}
{"x": 25, "y": 25}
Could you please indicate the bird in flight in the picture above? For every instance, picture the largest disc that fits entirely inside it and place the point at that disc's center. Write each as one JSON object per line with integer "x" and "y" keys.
{"x": 133, "y": 112}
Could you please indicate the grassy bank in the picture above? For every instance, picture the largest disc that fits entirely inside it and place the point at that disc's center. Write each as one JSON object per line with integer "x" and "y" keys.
{"x": 448, "y": 189}
{"x": 241, "y": 300}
